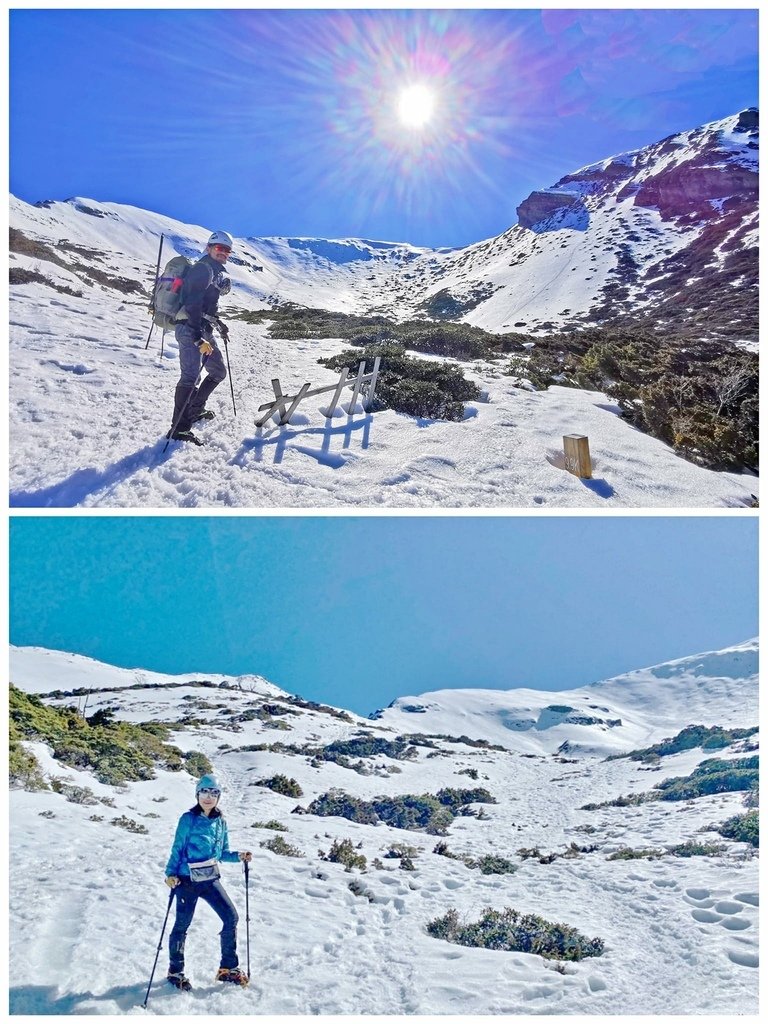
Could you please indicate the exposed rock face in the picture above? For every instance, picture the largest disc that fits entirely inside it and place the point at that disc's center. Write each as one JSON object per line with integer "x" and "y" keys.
{"x": 690, "y": 187}
{"x": 540, "y": 206}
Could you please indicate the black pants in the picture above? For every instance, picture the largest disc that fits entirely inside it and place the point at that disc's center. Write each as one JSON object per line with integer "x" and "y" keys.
{"x": 187, "y": 895}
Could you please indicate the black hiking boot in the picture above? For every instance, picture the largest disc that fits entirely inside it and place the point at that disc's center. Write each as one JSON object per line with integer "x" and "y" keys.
{"x": 178, "y": 981}
{"x": 206, "y": 414}
{"x": 186, "y": 435}
{"x": 233, "y": 975}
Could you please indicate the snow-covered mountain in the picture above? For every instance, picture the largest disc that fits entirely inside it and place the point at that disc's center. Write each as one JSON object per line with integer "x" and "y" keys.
{"x": 90, "y": 404}
{"x": 680, "y": 933}
{"x": 666, "y": 230}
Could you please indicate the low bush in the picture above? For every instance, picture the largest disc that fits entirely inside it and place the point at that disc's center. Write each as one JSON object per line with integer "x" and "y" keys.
{"x": 281, "y": 784}
{"x": 276, "y": 826}
{"x": 343, "y": 852}
{"x": 515, "y": 932}
{"x": 130, "y": 825}
{"x": 625, "y": 853}
{"x": 74, "y": 794}
{"x": 744, "y": 828}
{"x": 278, "y": 845}
{"x": 432, "y": 814}
{"x": 691, "y": 848}
{"x": 116, "y": 752}
{"x": 24, "y": 769}
{"x": 197, "y": 764}
{"x": 415, "y": 387}
{"x": 707, "y": 737}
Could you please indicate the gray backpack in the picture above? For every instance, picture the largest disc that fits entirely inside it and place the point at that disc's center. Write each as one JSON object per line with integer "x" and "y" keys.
{"x": 167, "y": 298}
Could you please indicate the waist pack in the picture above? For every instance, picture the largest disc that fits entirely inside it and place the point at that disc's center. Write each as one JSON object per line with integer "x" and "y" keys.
{"x": 204, "y": 871}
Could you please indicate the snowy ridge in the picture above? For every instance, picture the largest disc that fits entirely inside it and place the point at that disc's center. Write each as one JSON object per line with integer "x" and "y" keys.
{"x": 614, "y": 715}
{"x": 680, "y": 933}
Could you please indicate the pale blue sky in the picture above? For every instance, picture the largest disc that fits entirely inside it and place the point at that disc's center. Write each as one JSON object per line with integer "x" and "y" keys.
{"x": 281, "y": 122}
{"x": 356, "y": 611}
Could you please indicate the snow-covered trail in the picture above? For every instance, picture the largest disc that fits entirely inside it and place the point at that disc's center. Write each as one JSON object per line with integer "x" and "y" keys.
{"x": 90, "y": 408}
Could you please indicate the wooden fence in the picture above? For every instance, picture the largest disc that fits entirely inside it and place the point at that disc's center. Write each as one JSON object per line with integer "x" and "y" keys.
{"x": 286, "y": 404}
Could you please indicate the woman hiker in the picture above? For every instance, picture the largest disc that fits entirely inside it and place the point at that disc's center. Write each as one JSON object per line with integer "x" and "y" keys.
{"x": 201, "y": 841}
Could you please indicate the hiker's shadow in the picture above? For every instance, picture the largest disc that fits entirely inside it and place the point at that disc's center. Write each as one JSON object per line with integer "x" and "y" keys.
{"x": 46, "y": 1000}
{"x": 279, "y": 437}
{"x": 85, "y": 482}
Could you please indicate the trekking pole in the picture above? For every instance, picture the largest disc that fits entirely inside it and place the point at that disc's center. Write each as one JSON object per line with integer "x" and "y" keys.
{"x": 159, "y": 947}
{"x": 247, "y": 922}
{"x": 154, "y": 289}
{"x": 172, "y": 431}
{"x": 224, "y": 332}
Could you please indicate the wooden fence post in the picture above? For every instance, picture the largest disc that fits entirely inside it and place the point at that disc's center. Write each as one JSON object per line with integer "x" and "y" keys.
{"x": 356, "y": 390}
{"x": 337, "y": 393}
{"x": 372, "y": 385}
{"x": 577, "y": 458}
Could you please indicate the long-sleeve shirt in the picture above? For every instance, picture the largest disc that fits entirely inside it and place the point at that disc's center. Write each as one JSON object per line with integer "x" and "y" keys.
{"x": 200, "y": 292}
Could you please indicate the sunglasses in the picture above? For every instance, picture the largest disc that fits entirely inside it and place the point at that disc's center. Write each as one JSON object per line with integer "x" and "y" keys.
{"x": 222, "y": 248}
{"x": 209, "y": 792}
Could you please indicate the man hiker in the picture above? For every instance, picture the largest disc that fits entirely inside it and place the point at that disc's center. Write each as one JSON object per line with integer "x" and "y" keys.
{"x": 203, "y": 283}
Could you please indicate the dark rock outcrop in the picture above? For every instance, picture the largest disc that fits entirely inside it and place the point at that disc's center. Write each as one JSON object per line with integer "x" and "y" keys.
{"x": 540, "y": 206}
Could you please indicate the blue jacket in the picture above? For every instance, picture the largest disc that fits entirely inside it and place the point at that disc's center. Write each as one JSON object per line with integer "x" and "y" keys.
{"x": 199, "y": 838}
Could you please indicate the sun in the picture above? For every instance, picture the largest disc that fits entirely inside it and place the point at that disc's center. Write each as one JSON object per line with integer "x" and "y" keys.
{"x": 415, "y": 106}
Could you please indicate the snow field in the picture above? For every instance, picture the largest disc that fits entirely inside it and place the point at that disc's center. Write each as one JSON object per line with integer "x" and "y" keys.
{"x": 680, "y": 933}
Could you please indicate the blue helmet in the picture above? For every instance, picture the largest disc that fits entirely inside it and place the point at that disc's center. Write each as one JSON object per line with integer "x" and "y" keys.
{"x": 207, "y": 782}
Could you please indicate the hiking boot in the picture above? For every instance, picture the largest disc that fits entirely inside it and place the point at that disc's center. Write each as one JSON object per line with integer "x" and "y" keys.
{"x": 233, "y": 975}
{"x": 186, "y": 435}
{"x": 178, "y": 980}
{"x": 206, "y": 414}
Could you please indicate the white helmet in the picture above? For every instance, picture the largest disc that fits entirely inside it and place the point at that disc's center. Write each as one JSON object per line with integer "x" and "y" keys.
{"x": 221, "y": 238}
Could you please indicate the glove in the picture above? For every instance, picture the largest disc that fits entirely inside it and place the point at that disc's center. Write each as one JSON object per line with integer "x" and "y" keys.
{"x": 245, "y": 855}
{"x": 171, "y": 881}
{"x": 205, "y": 347}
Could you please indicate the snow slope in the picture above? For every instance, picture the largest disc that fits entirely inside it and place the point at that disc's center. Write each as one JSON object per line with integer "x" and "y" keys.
{"x": 89, "y": 404}
{"x": 89, "y": 409}
{"x": 680, "y": 933}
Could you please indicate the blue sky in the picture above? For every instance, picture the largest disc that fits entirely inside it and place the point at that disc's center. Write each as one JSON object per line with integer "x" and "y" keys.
{"x": 356, "y": 611}
{"x": 284, "y": 122}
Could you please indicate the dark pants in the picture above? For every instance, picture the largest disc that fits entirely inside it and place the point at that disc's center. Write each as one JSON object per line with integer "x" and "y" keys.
{"x": 189, "y": 398}
{"x": 187, "y": 895}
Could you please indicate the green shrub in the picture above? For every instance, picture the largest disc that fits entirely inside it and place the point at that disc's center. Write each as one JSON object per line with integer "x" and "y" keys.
{"x": 687, "y": 739}
{"x": 24, "y": 769}
{"x": 343, "y": 852}
{"x": 711, "y": 776}
{"x": 744, "y": 828}
{"x": 364, "y": 746}
{"x": 74, "y": 794}
{"x": 278, "y": 845}
{"x": 514, "y": 932}
{"x": 411, "y": 386}
{"x": 197, "y": 764}
{"x": 401, "y": 850}
{"x": 281, "y": 784}
{"x": 276, "y": 826}
{"x": 691, "y": 848}
{"x": 625, "y": 853}
{"x": 116, "y": 752}
{"x": 129, "y": 825}
{"x": 490, "y": 864}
